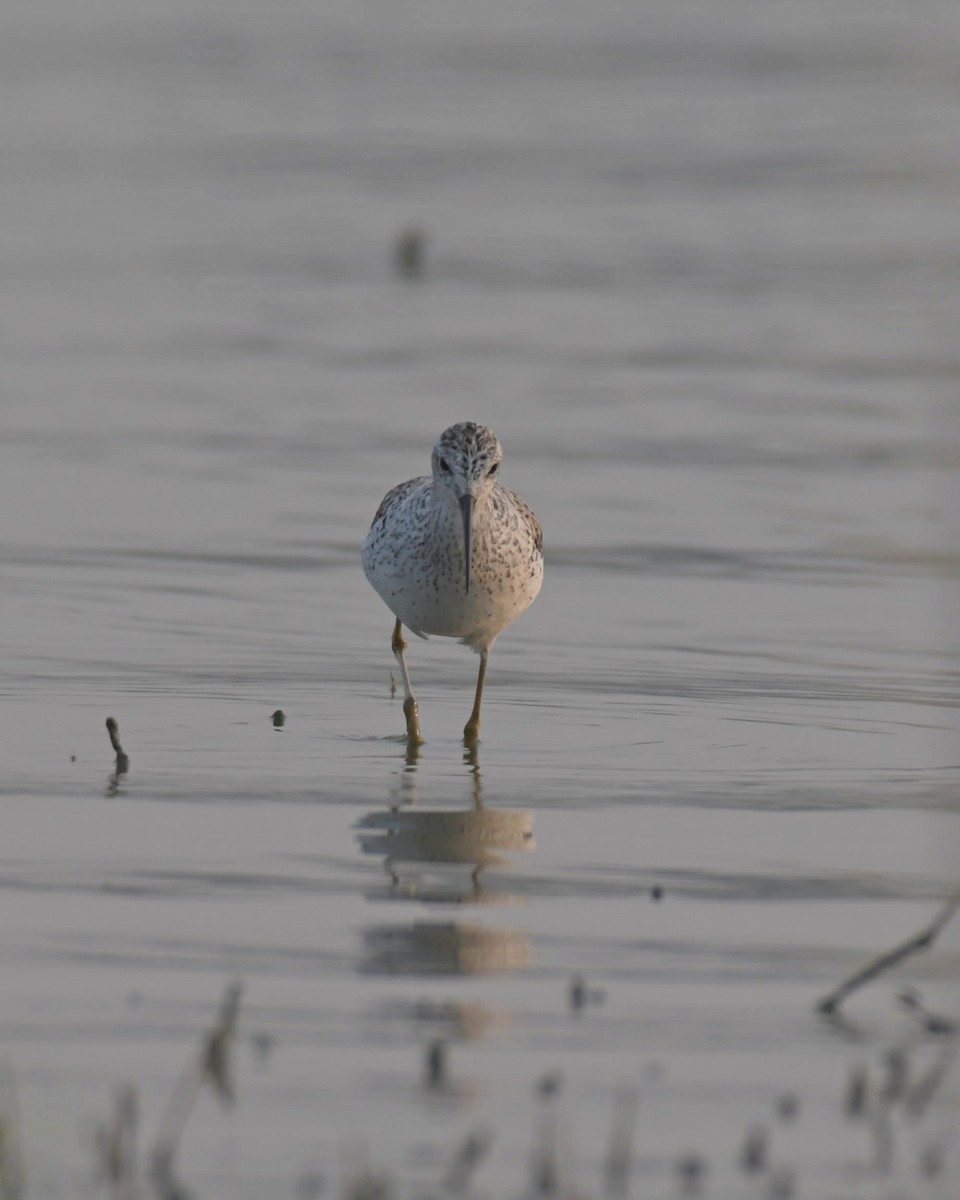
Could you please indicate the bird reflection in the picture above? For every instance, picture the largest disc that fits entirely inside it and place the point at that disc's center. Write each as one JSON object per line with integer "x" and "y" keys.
{"x": 408, "y": 836}
{"x": 439, "y": 856}
{"x": 444, "y": 948}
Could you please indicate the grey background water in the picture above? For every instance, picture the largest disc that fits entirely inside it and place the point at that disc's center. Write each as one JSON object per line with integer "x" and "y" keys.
{"x": 698, "y": 265}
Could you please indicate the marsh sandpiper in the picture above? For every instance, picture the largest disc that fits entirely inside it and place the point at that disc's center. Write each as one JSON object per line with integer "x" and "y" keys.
{"x": 455, "y": 554}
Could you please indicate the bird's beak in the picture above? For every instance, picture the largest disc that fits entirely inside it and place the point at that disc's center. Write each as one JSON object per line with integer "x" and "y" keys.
{"x": 466, "y": 507}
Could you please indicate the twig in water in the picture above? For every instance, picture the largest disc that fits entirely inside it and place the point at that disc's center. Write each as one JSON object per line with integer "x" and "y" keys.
{"x": 116, "y": 1145}
{"x": 409, "y": 252}
{"x": 753, "y": 1154}
{"x": 616, "y": 1166}
{"x": 926, "y": 1086}
{"x": 545, "y": 1164}
{"x": 549, "y": 1085}
{"x": 470, "y": 1153}
{"x": 932, "y": 1022}
{"x": 897, "y": 1066}
{"x": 579, "y": 994}
{"x": 435, "y": 1064}
{"x": 858, "y": 1091}
{"x": 213, "y": 1066}
{"x": 920, "y": 941}
{"x": 217, "y": 1061}
{"x": 868, "y": 1101}
{"x": 691, "y": 1169}
{"x": 123, "y": 759}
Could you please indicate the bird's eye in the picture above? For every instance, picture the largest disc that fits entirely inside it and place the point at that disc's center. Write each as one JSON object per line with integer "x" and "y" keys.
{"x": 494, "y": 469}
{"x": 444, "y": 466}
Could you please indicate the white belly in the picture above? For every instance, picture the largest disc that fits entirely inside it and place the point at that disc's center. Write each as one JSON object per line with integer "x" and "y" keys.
{"x": 422, "y": 581}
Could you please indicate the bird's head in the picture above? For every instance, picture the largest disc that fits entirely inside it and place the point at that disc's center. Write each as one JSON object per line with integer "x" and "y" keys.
{"x": 466, "y": 460}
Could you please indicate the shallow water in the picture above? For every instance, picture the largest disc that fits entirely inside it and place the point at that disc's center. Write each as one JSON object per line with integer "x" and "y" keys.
{"x": 700, "y": 273}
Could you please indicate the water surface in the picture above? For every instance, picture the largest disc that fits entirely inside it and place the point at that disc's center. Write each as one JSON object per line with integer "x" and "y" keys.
{"x": 699, "y": 271}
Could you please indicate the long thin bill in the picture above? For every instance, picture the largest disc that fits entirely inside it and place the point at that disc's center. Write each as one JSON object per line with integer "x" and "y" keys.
{"x": 466, "y": 507}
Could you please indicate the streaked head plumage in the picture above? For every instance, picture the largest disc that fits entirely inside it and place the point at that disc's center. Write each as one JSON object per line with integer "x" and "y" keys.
{"x": 466, "y": 459}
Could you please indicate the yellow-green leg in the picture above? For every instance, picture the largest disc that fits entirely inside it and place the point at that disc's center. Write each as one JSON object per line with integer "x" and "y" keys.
{"x": 472, "y": 727}
{"x": 411, "y": 710}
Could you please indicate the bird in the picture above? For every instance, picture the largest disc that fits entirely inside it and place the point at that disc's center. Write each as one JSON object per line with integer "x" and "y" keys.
{"x": 454, "y": 554}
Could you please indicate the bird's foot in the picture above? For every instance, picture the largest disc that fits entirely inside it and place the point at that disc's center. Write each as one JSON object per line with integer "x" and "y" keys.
{"x": 411, "y": 712}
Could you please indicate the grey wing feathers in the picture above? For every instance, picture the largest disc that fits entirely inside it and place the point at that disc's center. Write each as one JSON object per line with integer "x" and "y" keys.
{"x": 537, "y": 531}
{"x": 530, "y": 517}
{"x": 400, "y": 492}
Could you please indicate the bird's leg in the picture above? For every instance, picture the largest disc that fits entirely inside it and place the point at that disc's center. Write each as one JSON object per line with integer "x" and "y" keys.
{"x": 472, "y": 727}
{"x": 411, "y": 710}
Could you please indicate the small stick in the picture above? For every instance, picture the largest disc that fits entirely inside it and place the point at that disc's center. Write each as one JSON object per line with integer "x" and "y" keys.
{"x": 470, "y": 1153}
{"x": 935, "y": 1023}
{"x": 409, "y": 252}
{"x": 545, "y": 1166}
{"x": 577, "y": 993}
{"x": 898, "y": 1073}
{"x": 920, "y": 941}
{"x": 754, "y": 1154}
{"x": 435, "y": 1074}
{"x": 113, "y": 729}
{"x": 616, "y": 1166}
{"x": 691, "y": 1169}
{"x": 116, "y": 1145}
{"x": 211, "y": 1066}
{"x": 216, "y": 1050}
{"x": 928, "y": 1083}
{"x": 858, "y": 1090}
